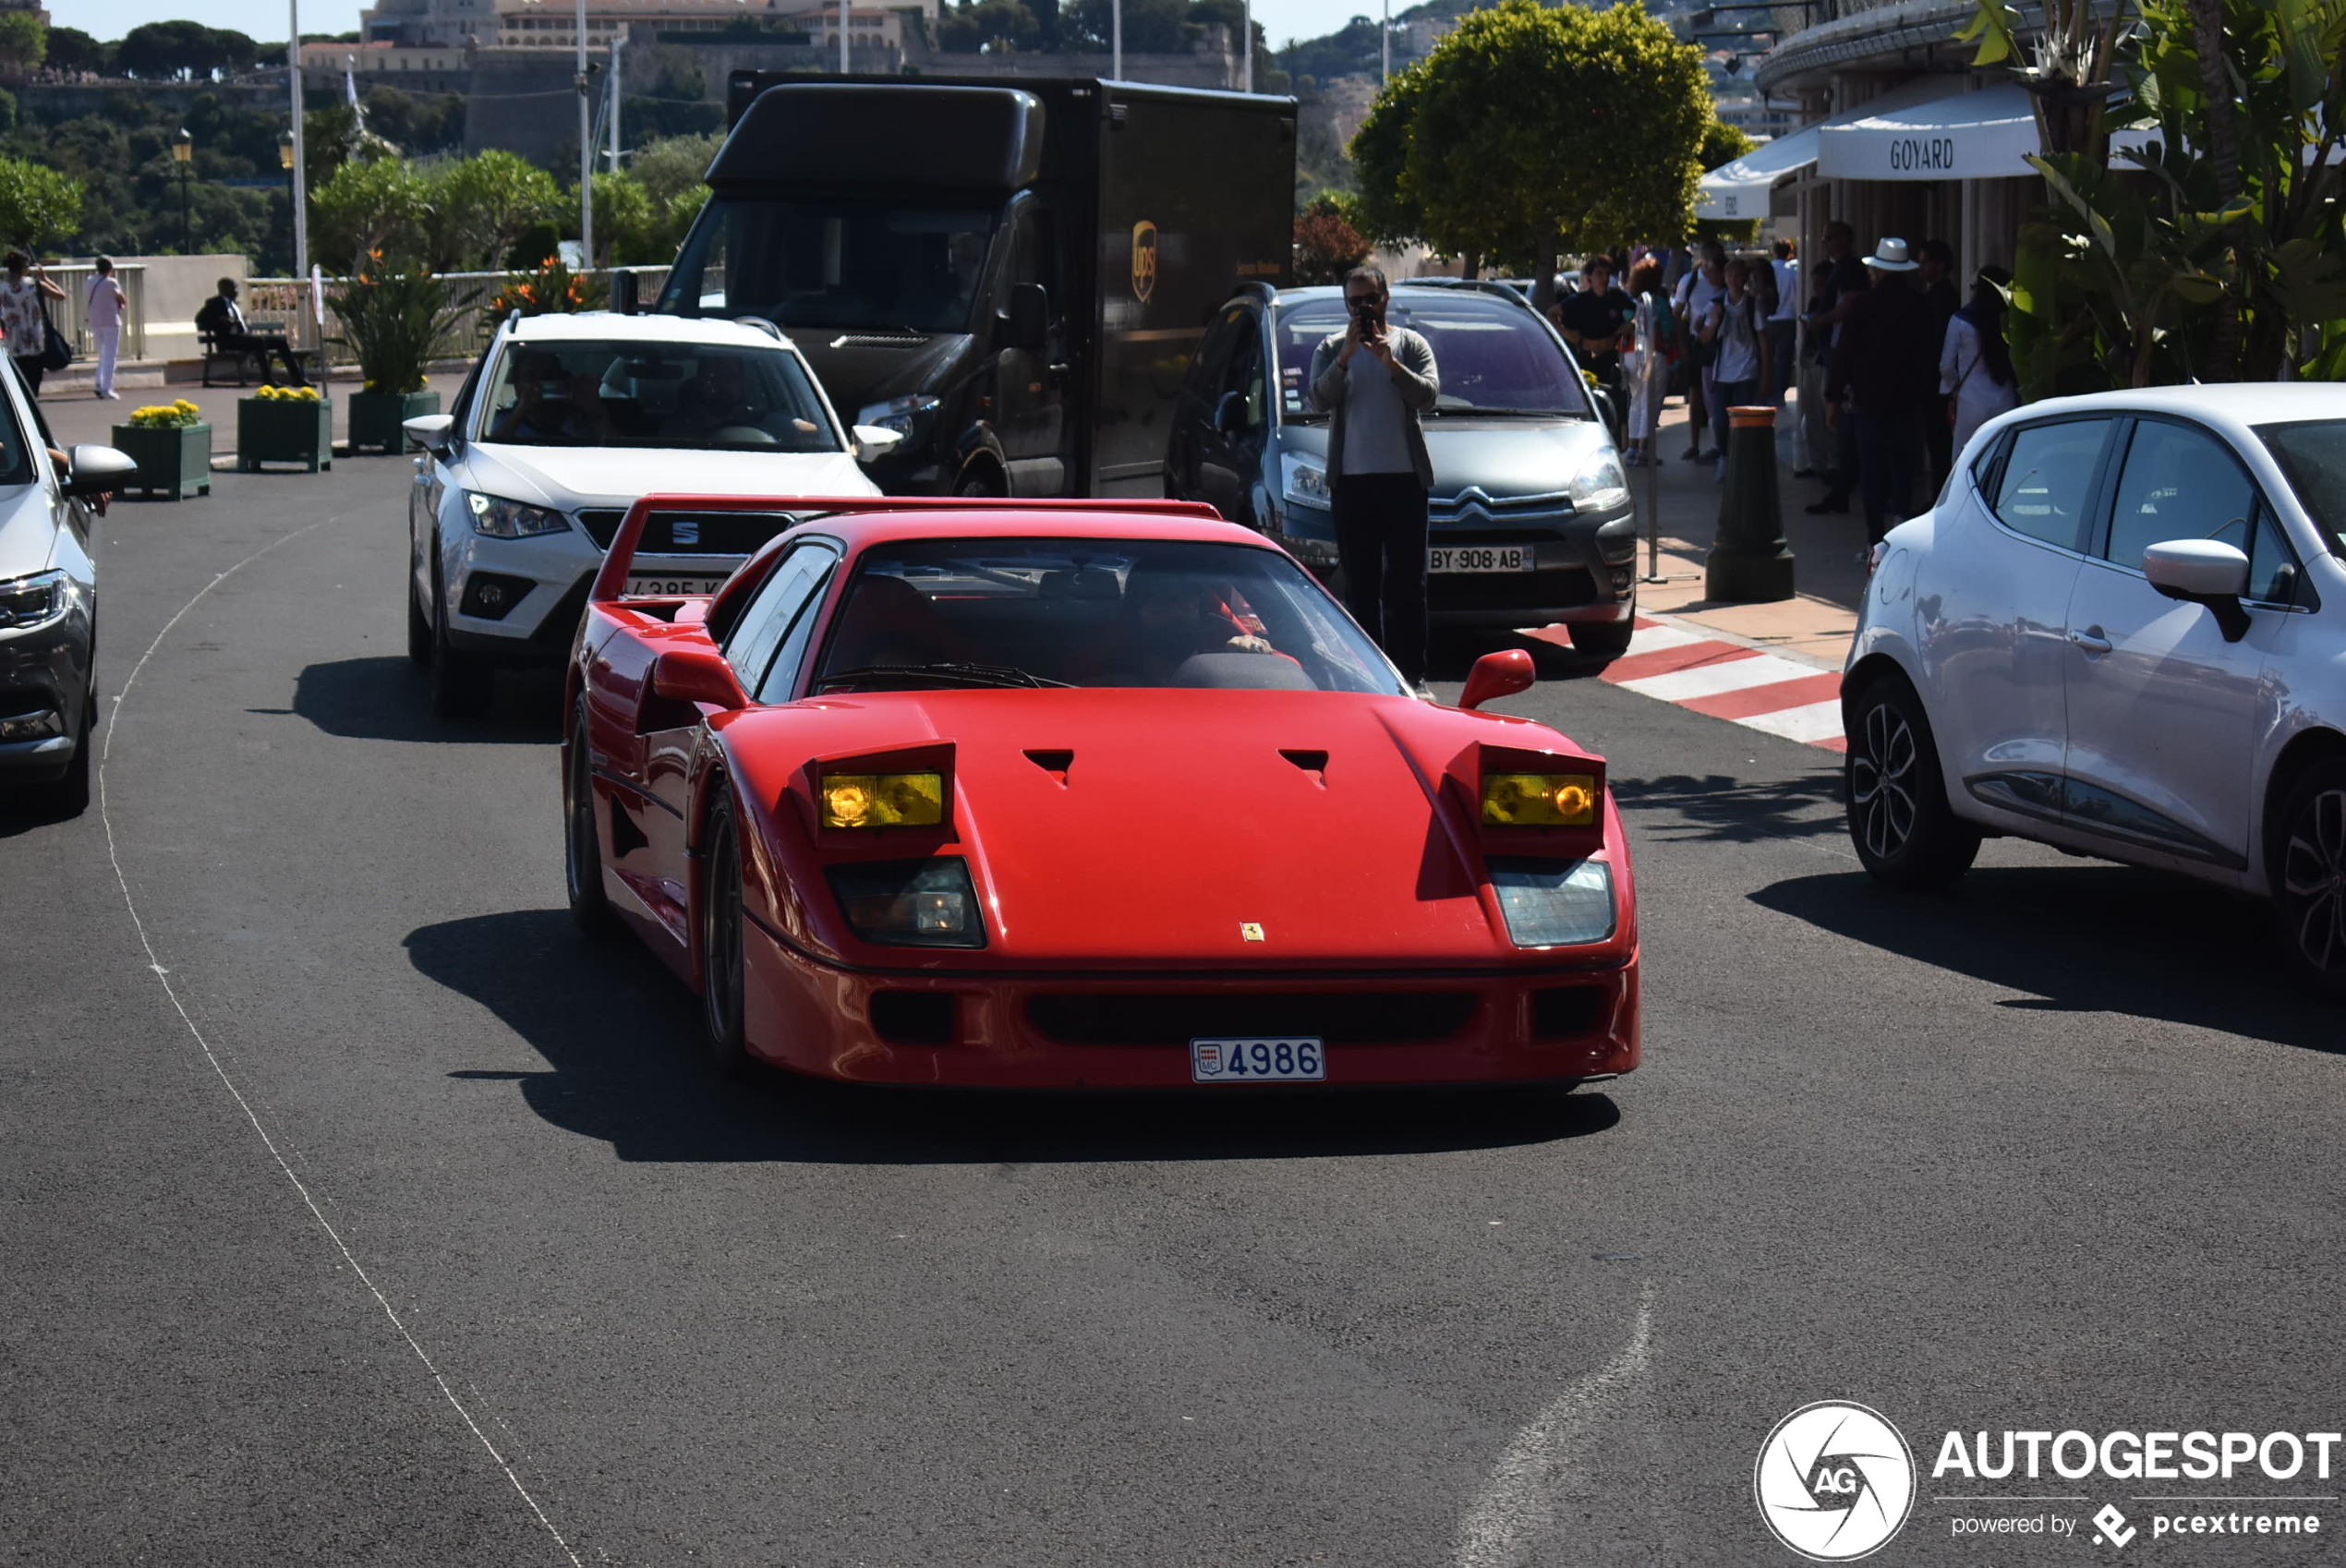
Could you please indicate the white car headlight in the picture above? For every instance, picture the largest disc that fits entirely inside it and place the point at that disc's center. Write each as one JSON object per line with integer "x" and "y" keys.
{"x": 897, "y": 413}
{"x": 1553, "y": 903}
{"x": 503, "y": 519}
{"x": 27, "y": 602}
{"x": 1303, "y": 481}
{"x": 1601, "y": 486}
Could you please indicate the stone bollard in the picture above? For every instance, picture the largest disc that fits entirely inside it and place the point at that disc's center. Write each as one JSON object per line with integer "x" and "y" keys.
{"x": 1750, "y": 562}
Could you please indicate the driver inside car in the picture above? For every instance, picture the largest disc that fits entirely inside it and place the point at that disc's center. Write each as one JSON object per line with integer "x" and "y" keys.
{"x": 550, "y": 405}
{"x": 1167, "y": 619}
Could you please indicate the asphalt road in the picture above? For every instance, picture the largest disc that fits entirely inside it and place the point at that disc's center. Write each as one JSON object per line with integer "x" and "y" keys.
{"x": 354, "y": 1210}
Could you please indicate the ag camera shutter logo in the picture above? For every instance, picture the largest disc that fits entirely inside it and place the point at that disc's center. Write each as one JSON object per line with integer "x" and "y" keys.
{"x": 1834, "y": 1481}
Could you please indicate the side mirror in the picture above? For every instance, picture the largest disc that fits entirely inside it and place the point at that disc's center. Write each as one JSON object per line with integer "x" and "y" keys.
{"x": 874, "y": 442}
{"x": 97, "y": 470}
{"x": 697, "y": 675}
{"x": 2205, "y": 572}
{"x": 624, "y": 297}
{"x": 1495, "y": 675}
{"x": 434, "y": 432}
{"x": 1027, "y": 324}
{"x": 1230, "y": 417}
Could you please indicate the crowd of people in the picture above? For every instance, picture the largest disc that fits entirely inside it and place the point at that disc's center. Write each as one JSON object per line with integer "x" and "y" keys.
{"x": 1893, "y": 367}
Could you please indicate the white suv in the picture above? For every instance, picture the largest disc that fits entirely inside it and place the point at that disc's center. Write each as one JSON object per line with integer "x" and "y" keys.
{"x": 2120, "y": 631}
{"x": 565, "y": 421}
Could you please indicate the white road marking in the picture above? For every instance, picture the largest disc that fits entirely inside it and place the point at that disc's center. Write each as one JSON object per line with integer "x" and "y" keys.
{"x": 1517, "y": 1504}
{"x": 1817, "y": 721}
{"x": 1726, "y": 675}
{"x": 155, "y": 962}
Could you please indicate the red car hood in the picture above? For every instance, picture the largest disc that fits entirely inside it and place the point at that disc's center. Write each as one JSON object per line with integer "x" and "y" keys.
{"x": 1181, "y": 822}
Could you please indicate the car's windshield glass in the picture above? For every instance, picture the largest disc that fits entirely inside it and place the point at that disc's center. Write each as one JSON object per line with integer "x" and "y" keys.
{"x": 1493, "y": 357}
{"x": 2312, "y": 454}
{"x": 1092, "y": 612}
{"x": 878, "y": 266}
{"x": 696, "y": 395}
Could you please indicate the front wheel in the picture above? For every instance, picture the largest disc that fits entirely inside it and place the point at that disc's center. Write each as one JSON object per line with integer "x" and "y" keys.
{"x": 720, "y": 942}
{"x": 2309, "y": 878}
{"x": 1603, "y": 639}
{"x": 1899, "y": 819}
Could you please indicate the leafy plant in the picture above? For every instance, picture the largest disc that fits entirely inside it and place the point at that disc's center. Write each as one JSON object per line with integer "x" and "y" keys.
{"x": 397, "y": 323}
{"x": 36, "y": 204}
{"x": 176, "y": 415}
{"x": 368, "y": 205}
{"x": 1326, "y": 243}
{"x": 268, "y": 394}
{"x": 552, "y": 289}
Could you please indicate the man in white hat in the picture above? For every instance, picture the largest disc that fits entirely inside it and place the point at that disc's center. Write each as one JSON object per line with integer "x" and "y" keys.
{"x": 1885, "y": 359}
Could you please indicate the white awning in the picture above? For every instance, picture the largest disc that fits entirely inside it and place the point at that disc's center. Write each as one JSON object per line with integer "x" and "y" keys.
{"x": 1986, "y": 135}
{"x": 1740, "y": 189}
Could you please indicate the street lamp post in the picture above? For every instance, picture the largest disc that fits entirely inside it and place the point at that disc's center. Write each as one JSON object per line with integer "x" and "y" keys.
{"x": 585, "y": 152}
{"x": 286, "y": 161}
{"x": 183, "y": 153}
{"x": 1384, "y": 46}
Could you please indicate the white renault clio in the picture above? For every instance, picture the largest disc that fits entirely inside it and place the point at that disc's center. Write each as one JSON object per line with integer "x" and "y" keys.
{"x": 2122, "y": 630}
{"x": 563, "y": 423}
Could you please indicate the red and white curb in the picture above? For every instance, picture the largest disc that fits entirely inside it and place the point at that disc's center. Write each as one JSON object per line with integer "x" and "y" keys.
{"x": 1730, "y": 681}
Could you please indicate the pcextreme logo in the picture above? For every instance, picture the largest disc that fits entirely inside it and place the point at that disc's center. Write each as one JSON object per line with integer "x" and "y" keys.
{"x": 1834, "y": 1481}
{"x": 1143, "y": 261}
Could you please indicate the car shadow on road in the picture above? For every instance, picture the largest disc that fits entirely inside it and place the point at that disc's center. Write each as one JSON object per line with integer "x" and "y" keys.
{"x": 2084, "y": 938}
{"x": 623, "y": 1044}
{"x": 1450, "y": 654}
{"x": 1718, "y": 808}
{"x": 385, "y": 698}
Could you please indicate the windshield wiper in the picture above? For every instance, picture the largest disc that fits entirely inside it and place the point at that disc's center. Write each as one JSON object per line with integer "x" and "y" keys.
{"x": 950, "y": 671}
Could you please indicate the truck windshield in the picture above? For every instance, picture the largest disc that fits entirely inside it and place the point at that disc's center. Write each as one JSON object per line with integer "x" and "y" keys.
{"x": 833, "y": 262}
{"x": 1494, "y": 357}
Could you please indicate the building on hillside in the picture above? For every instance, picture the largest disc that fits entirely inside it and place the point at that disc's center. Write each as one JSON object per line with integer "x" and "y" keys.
{"x": 553, "y": 24}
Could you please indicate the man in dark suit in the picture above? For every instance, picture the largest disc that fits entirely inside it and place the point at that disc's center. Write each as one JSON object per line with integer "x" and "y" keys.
{"x": 219, "y": 316}
{"x": 1887, "y": 361}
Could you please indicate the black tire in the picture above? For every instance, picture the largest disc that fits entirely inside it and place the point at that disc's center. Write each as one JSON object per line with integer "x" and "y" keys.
{"x": 420, "y": 633}
{"x": 980, "y": 479}
{"x": 2308, "y": 853}
{"x": 1603, "y": 639}
{"x": 1899, "y": 820}
{"x": 68, "y": 795}
{"x": 720, "y": 942}
{"x": 462, "y": 684}
{"x": 582, "y": 836}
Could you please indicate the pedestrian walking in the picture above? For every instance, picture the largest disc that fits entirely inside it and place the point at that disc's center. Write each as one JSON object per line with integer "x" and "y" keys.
{"x": 1698, "y": 292}
{"x": 1594, "y": 318}
{"x": 1832, "y": 446}
{"x": 24, "y": 321}
{"x": 1736, "y": 330}
{"x": 1374, "y": 379}
{"x": 105, "y": 314}
{"x": 1934, "y": 276}
{"x": 1882, "y": 361}
{"x": 1647, "y": 366}
{"x": 1784, "y": 320}
{"x": 1975, "y": 362}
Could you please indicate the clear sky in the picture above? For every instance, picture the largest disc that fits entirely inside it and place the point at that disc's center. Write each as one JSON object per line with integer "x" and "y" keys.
{"x": 1281, "y": 19}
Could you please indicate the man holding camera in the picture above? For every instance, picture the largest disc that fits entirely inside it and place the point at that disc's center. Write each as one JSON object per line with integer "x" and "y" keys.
{"x": 1374, "y": 380}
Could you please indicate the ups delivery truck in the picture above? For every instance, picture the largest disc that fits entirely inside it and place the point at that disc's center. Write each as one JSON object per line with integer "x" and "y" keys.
{"x": 1013, "y": 275}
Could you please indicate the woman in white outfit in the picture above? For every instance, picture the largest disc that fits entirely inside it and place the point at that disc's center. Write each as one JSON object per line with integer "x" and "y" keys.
{"x": 1646, "y": 367}
{"x": 106, "y": 302}
{"x": 1974, "y": 363}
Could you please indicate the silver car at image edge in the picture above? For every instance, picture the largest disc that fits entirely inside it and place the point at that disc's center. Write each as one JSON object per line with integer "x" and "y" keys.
{"x": 2120, "y": 631}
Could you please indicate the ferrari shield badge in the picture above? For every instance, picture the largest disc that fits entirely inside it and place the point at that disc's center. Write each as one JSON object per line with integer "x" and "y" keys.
{"x": 1143, "y": 261}
{"x": 1250, "y": 932}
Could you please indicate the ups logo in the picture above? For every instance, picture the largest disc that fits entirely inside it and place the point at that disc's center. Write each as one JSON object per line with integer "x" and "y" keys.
{"x": 1143, "y": 261}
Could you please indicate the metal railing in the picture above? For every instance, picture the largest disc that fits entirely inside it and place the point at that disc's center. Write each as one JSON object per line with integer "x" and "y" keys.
{"x": 70, "y": 315}
{"x": 282, "y": 305}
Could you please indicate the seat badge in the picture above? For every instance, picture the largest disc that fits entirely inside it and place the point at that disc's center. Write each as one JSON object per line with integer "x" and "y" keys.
{"x": 1250, "y": 932}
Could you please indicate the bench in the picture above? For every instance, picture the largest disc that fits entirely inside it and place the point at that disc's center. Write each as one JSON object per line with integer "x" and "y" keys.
{"x": 255, "y": 360}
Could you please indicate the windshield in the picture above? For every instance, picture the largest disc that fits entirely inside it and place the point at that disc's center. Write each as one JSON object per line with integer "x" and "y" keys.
{"x": 2313, "y": 454}
{"x": 1493, "y": 357}
{"x": 880, "y": 265}
{"x": 1093, "y": 612}
{"x": 695, "y": 396}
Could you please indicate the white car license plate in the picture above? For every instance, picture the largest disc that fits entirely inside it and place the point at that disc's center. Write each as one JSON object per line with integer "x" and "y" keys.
{"x": 1480, "y": 558}
{"x": 647, "y": 584}
{"x": 1289, "y": 1060}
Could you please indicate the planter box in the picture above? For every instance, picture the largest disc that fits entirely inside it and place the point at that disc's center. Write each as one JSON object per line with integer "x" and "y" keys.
{"x": 280, "y": 430}
{"x": 375, "y": 419}
{"x": 173, "y": 462}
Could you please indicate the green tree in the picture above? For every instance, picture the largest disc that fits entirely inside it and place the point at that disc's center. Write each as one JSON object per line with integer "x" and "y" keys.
{"x": 977, "y": 25}
{"x": 630, "y": 228}
{"x": 485, "y": 204}
{"x": 1327, "y": 245}
{"x": 36, "y": 204}
{"x": 676, "y": 167}
{"x": 371, "y": 209}
{"x": 70, "y": 49}
{"x": 1509, "y": 135}
{"x": 24, "y": 42}
{"x": 1390, "y": 210}
{"x": 164, "y": 51}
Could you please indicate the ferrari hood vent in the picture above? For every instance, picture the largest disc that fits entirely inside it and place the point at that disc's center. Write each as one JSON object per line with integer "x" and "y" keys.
{"x": 1055, "y": 762}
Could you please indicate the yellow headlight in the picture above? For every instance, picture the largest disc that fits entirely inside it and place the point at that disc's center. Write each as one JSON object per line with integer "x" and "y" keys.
{"x": 1539, "y": 799}
{"x": 882, "y": 800}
